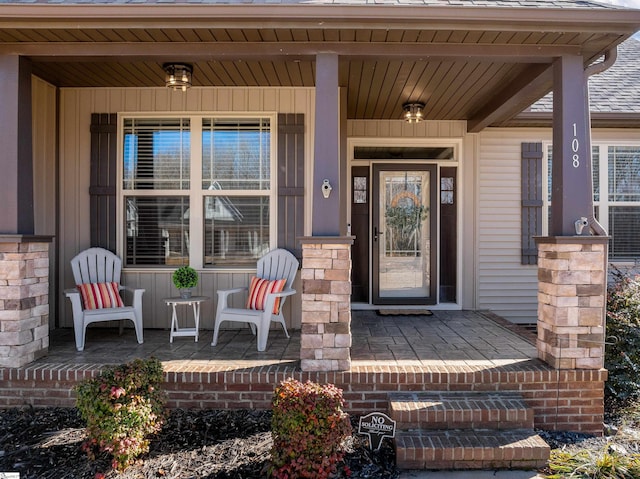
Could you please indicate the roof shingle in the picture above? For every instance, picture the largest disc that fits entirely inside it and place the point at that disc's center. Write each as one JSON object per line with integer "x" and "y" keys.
{"x": 616, "y": 90}
{"x": 582, "y": 4}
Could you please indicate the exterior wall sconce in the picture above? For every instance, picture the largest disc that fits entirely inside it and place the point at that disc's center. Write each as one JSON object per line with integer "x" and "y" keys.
{"x": 413, "y": 112}
{"x": 177, "y": 75}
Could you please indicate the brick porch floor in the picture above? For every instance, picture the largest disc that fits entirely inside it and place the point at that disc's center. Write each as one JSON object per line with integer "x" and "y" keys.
{"x": 447, "y": 338}
{"x": 448, "y": 351}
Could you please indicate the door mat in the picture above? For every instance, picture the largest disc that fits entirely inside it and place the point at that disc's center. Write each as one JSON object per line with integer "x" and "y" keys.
{"x": 404, "y": 312}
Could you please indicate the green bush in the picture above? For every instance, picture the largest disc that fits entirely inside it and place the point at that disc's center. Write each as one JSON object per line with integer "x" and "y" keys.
{"x": 122, "y": 406}
{"x": 608, "y": 463}
{"x": 622, "y": 352}
{"x": 308, "y": 427}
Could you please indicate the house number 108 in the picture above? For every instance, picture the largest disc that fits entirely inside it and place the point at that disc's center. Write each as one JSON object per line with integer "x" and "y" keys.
{"x": 575, "y": 144}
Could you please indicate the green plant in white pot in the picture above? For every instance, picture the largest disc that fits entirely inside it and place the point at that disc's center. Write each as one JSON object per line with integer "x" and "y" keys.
{"x": 185, "y": 279}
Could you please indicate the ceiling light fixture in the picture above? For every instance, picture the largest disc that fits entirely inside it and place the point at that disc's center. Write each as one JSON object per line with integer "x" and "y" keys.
{"x": 413, "y": 112}
{"x": 177, "y": 75}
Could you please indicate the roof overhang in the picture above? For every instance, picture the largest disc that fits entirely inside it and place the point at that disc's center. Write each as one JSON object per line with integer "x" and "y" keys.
{"x": 480, "y": 64}
{"x": 598, "y": 120}
{"x": 261, "y": 15}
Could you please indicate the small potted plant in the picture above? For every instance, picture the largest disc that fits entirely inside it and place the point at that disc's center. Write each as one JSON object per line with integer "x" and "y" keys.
{"x": 185, "y": 279}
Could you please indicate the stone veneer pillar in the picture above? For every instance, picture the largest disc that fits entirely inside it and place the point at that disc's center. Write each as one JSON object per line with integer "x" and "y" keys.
{"x": 572, "y": 280}
{"x": 24, "y": 299}
{"x": 325, "y": 340}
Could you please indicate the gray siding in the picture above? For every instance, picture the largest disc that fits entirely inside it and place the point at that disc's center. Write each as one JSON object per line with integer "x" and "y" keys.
{"x": 504, "y": 285}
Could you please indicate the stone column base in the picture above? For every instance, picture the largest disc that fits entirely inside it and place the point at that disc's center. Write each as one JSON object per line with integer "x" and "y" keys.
{"x": 325, "y": 340}
{"x": 572, "y": 287}
{"x": 24, "y": 299}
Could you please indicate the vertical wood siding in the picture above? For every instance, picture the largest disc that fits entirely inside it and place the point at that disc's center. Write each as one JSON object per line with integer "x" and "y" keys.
{"x": 44, "y": 174}
{"x": 76, "y": 107}
{"x": 402, "y": 129}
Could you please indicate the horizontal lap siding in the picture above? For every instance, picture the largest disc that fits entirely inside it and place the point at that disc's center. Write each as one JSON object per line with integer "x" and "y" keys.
{"x": 76, "y": 107}
{"x": 504, "y": 285}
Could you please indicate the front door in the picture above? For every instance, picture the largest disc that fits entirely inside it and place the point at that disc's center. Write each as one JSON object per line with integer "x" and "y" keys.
{"x": 403, "y": 246}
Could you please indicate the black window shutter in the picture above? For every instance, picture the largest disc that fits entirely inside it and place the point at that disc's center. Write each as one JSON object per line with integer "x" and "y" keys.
{"x": 290, "y": 181}
{"x": 102, "y": 188}
{"x": 531, "y": 200}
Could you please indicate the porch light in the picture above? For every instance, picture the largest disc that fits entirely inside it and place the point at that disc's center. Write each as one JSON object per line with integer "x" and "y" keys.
{"x": 177, "y": 75}
{"x": 413, "y": 112}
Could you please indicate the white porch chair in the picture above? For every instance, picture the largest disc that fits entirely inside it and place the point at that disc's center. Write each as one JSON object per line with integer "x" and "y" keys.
{"x": 98, "y": 265}
{"x": 277, "y": 264}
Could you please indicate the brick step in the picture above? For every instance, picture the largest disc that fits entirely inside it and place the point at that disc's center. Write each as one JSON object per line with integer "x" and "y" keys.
{"x": 466, "y": 449}
{"x": 460, "y": 410}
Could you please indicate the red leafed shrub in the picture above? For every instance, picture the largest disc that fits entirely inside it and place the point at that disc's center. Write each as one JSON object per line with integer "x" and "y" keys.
{"x": 308, "y": 428}
{"x": 122, "y": 406}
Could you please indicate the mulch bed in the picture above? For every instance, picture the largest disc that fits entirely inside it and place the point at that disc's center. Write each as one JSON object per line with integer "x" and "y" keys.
{"x": 212, "y": 444}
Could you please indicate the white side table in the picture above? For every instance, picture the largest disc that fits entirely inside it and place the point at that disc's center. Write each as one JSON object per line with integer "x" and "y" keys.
{"x": 194, "y": 302}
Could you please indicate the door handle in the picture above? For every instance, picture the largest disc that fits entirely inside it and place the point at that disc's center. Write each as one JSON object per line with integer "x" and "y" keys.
{"x": 376, "y": 233}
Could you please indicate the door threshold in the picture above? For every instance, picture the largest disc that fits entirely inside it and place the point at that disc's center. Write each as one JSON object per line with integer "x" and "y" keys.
{"x": 434, "y": 307}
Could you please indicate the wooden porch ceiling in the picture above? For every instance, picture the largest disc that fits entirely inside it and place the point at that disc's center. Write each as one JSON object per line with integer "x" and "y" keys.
{"x": 467, "y": 64}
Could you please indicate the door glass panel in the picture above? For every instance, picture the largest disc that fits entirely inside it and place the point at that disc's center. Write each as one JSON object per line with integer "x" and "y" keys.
{"x": 404, "y": 252}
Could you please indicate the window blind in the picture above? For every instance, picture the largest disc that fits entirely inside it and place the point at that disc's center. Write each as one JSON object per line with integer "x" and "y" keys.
{"x": 624, "y": 243}
{"x": 156, "y": 153}
{"x": 236, "y": 154}
{"x": 157, "y": 230}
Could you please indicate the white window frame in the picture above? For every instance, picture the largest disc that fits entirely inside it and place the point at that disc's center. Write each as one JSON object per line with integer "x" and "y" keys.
{"x": 196, "y": 193}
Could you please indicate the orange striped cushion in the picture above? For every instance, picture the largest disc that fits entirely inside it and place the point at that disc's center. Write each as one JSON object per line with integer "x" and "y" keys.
{"x": 260, "y": 288}
{"x": 100, "y": 295}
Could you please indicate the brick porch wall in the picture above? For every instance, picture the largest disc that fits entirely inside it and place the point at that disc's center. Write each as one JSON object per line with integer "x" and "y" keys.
{"x": 561, "y": 399}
